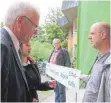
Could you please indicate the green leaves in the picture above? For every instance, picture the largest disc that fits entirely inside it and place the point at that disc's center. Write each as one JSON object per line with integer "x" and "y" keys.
{"x": 53, "y": 15}
{"x": 50, "y": 30}
{"x": 40, "y": 51}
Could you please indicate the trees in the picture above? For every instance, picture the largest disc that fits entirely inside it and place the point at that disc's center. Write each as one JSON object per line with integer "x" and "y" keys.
{"x": 53, "y": 31}
{"x": 53, "y": 15}
{"x": 50, "y": 29}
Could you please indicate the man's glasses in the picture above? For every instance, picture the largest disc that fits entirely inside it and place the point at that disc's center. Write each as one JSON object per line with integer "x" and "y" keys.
{"x": 36, "y": 27}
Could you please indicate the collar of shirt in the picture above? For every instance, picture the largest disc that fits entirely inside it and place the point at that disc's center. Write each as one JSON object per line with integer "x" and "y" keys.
{"x": 13, "y": 37}
{"x": 25, "y": 64}
{"x": 99, "y": 56}
{"x": 56, "y": 50}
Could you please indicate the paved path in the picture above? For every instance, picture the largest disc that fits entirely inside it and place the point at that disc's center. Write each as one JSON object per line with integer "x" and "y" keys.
{"x": 70, "y": 96}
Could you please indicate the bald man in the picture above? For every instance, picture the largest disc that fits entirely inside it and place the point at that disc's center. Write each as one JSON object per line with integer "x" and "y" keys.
{"x": 98, "y": 86}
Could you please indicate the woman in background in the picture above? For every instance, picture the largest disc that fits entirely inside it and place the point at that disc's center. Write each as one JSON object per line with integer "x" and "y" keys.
{"x": 32, "y": 73}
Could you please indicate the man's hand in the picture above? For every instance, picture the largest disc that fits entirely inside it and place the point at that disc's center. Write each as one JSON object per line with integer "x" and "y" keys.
{"x": 52, "y": 83}
{"x": 35, "y": 100}
{"x": 83, "y": 77}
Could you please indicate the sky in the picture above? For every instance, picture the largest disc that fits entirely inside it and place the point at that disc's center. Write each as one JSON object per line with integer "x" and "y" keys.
{"x": 42, "y": 4}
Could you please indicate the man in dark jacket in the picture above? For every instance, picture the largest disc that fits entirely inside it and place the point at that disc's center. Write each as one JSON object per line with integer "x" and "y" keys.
{"x": 21, "y": 23}
{"x": 59, "y": 56}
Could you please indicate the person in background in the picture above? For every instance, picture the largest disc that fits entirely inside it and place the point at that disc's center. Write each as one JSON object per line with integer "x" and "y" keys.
{"x": 32, "y": 73}
{"x": 21, "y": 23}
{"x": 98, "y": 86}
{"x": 59, "y": 56}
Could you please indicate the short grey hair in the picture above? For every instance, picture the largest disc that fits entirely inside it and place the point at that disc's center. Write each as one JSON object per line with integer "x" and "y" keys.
{"x": 55, "y": 39}
{"x": 104, "y": 26}
{"x": 17, "y": 9}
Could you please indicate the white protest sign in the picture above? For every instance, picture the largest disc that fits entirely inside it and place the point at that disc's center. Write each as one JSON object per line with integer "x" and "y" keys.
{"x": 69, "y": 77}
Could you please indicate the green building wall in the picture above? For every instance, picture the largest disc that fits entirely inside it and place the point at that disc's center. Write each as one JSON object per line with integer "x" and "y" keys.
{"x": 89, "y": 12}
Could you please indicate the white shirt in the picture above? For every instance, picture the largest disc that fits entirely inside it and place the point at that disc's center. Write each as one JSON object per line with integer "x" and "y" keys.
{"x": 14, "y": 39}
{"x": 25, "y": 64}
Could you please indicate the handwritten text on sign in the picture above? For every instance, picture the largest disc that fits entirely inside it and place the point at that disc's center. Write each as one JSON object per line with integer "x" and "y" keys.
{"x": 66, "y": 76}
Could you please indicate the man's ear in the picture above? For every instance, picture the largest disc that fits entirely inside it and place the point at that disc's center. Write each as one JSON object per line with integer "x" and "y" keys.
{"x": 103, "y": 35}
{"x": 19, "y": 21}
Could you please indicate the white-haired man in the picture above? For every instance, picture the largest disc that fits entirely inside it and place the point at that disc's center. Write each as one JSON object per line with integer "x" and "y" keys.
{"x": 21, "y": 24}
{"x": 59, "y": 56}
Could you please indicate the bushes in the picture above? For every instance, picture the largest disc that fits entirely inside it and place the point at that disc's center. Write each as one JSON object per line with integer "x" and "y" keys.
{"x": 64, "y": 44}
{"x": 40, "y": 51}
